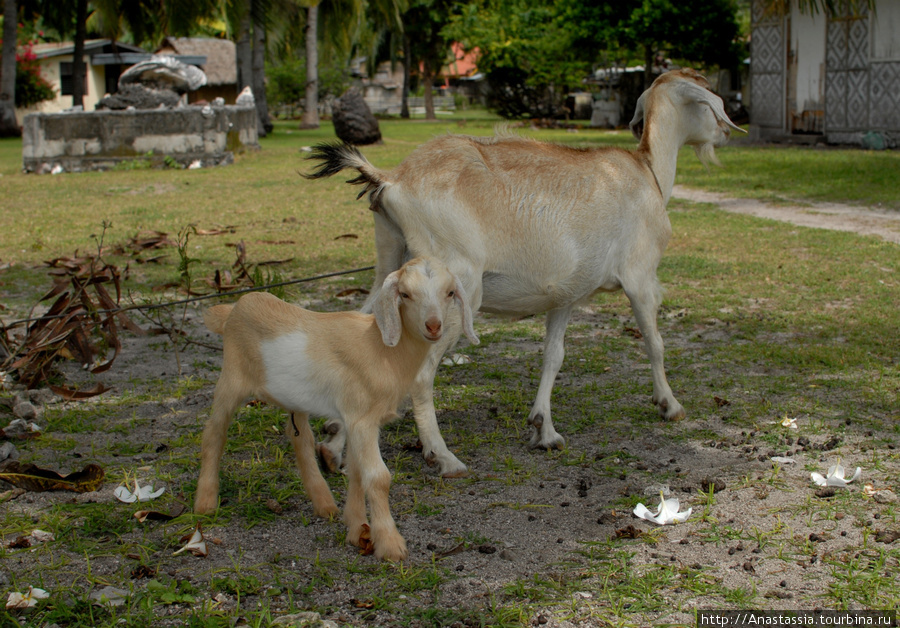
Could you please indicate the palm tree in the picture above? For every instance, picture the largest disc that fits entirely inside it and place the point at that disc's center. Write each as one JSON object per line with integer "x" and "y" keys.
{"x": 8, "y": 125}
{"x": 340, "y": 22}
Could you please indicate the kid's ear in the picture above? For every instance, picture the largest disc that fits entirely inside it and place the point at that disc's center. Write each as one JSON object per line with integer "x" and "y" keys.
{"x": 387, "y": 310}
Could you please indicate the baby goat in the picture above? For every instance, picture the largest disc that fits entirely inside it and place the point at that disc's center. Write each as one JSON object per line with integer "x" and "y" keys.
{"x": 347, "y": 366}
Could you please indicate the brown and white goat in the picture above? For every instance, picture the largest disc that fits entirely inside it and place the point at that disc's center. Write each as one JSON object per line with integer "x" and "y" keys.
{"x": 531, "y": 227}
{"x": 347, "y": 366}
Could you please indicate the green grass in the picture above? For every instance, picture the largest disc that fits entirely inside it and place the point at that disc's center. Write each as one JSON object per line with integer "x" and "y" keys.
{"x": 773, "y": 318}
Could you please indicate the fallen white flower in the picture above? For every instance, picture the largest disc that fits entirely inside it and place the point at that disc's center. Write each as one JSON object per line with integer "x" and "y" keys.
{"x": 783, "y": 460}
{"x": 835, "y": 476}
{"x": 667, "y": 512}
{"x": 42, "y": 536}
{"x": 27, "y": 600}
{"x": 195, "y": 545}
{"x": 789, "y": 423}
{"x": 456, "y": 358}
{"x": 140, "y": 494}
{"x": 869, "y": 490}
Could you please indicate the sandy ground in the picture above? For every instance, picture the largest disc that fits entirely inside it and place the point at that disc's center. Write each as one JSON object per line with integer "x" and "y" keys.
{"x": 527, "y": 517}
{"x": 836, "y": 216}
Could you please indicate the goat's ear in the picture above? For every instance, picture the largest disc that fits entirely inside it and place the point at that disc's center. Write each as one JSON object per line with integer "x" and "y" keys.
{"x": 387, "y": 310}
{"x": 459, "y": 294}
{"x": 637, "y": 122}
{"x": 692, "y": 91}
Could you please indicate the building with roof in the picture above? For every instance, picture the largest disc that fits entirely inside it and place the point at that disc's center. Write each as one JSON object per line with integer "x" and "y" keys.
{"x": 104, "y": 62}
{"x": 219, "y": 64}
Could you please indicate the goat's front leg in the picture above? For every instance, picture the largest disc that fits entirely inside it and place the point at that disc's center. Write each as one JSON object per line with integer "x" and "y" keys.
{"x": 304, "y": 443}
{"x": 369, "y": 478}
{"x": 645, "y": 300}
{"x": 545, "y": 436}
{"x": 434, "y": 449}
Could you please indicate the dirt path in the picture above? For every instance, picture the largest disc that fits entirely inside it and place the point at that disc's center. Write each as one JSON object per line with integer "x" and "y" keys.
{"x": 836, "y": 216}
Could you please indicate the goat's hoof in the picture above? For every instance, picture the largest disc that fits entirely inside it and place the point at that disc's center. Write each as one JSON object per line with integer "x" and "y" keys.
{"x": 205, "y": 505}
{"x": 673, "y": 412}
{"x": 555, "y": 442}
{"x": 328, "y": 460}
{"x": 393, "y": 551}
{"x": 329, "y": 511}
{"x": 456, "y": 473}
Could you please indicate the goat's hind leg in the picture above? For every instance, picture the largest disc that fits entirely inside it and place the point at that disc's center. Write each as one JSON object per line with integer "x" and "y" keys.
{"x": 645, "y": 297}
{"x": 304, "y": 443}
{"x": 229, "y": 394}
{"x": 545, "y": 435}
{"x": 331, "y": 450}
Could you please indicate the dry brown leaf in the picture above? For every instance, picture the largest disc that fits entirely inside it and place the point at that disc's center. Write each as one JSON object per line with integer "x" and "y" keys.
{"x": 76, "y": 395}
{"x": 33, "y": 478}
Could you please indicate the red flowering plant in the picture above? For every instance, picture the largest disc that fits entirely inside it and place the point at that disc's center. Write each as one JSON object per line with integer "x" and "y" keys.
{"x": 31, "y": 87}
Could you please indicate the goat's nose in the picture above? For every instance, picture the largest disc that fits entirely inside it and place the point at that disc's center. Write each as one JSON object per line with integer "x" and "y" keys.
{"x": 433, "y": 326}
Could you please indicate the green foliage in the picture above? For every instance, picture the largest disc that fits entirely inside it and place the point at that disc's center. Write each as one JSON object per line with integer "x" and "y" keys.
{"x": 286, "y": 82}
{"x": 526, "y": 54}
{"x": 535, "y": 51}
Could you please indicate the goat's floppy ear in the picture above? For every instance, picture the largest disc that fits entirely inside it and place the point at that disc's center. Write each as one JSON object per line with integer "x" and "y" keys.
{"x": 387, "y": 310}
{"x": 459, "y": 294}
{"x": 692, "y": 91}
{"x": 637, "y": 122}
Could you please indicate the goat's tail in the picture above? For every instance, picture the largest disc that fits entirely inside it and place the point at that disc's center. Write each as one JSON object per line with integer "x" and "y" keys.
{"x": 337, "y": 156}
{"x": 214, "y": 318}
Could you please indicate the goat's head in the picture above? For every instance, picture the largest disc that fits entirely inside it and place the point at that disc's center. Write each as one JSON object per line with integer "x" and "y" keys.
{"x": 417, "y": 298}
{"x": 703, "y": 118}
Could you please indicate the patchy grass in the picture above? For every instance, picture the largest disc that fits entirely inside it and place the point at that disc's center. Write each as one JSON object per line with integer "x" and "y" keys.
{"x": 761, "y": 321}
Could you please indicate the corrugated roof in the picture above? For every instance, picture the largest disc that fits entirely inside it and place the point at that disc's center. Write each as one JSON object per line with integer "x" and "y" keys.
{"x": 221, "y": 57}
{"x": 58, "y": 49}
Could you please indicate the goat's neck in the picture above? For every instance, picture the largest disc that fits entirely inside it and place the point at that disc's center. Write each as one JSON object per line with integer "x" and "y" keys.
{"x": 407, "y": 357}
{"x": 660, "y": 144}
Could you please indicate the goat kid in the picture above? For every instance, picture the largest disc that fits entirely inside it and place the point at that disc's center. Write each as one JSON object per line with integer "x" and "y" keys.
{"x": 348, "y": 366}
{"x": 531, "y": 227}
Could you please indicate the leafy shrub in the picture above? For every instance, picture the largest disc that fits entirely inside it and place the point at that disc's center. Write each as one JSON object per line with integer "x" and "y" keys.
{"x": 31, "y": 87}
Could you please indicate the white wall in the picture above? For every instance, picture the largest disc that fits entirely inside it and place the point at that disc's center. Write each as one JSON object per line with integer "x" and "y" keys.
{"x": 808, "y": 37}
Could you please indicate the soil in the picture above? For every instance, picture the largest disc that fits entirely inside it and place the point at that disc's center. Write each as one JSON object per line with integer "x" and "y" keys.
{"x": 527, "y": 517}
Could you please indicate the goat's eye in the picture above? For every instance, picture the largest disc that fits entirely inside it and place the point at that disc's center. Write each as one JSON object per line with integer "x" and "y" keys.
{"x": 451, "y": 294}
{"x": 404, "y": 295}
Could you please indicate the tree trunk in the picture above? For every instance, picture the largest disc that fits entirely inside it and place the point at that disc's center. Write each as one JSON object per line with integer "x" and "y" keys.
{"x": 8, "y": 126}
{"x": 428, "y": 84}
{"x": 310, "y": 118}
{"x": 244, "y": 53}
{"x": 259, "y": 79}
{"x": 78, "y": 65}
{"x": 648, "y": 66}
{"x": 407, "y": 62}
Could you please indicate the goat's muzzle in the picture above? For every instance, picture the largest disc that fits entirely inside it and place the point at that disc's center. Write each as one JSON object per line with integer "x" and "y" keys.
{"x": 433, "y": 329}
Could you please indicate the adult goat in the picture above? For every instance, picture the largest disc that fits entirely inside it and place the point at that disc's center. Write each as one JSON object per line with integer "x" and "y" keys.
{"x": 531, "y": 227}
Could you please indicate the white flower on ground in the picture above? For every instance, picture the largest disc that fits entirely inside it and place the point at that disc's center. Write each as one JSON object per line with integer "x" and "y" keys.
{"x": 789, "y": 423}
{"x": 26, "y": 600}
{"x": 140, "y": 494}
{"x": 455, "y": 359}
{"x": 667, "y": 512}
{"x": 195, "y": 544}
{"x": 835, "y": 476}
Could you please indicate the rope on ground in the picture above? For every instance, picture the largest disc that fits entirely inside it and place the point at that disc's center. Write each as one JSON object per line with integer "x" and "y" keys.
{"x": 156, "y": 306}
